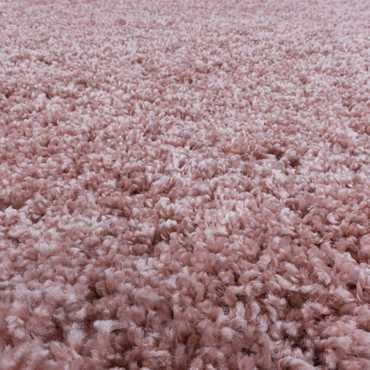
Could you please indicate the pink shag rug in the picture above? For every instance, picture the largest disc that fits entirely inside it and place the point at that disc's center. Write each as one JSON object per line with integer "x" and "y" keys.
{"x": 184, "y": 185}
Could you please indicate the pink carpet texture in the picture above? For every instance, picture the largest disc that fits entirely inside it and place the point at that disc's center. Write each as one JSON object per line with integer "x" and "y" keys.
{"x": 185, "y": 185}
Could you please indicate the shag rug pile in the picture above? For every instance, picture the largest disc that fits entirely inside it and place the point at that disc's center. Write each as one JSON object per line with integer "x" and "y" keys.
{"x": 184, "y": 185}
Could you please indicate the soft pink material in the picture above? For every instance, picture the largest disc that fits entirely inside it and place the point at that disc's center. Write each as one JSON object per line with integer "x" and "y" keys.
{"x": 184, "y": 184}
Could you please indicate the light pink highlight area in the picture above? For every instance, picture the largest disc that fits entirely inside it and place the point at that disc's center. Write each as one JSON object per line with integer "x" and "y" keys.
{"x": 184, "y": 185}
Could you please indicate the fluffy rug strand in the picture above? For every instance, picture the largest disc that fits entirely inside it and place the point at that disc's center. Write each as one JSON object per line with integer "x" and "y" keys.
{"x": 184, "y": 184}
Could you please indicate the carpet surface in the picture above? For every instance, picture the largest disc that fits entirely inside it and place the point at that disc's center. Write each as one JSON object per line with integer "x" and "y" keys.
{"x": 184, "y": 185}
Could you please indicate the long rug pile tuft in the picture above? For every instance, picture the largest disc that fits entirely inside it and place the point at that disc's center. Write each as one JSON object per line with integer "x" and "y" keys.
{"x": 184, "y": 185}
